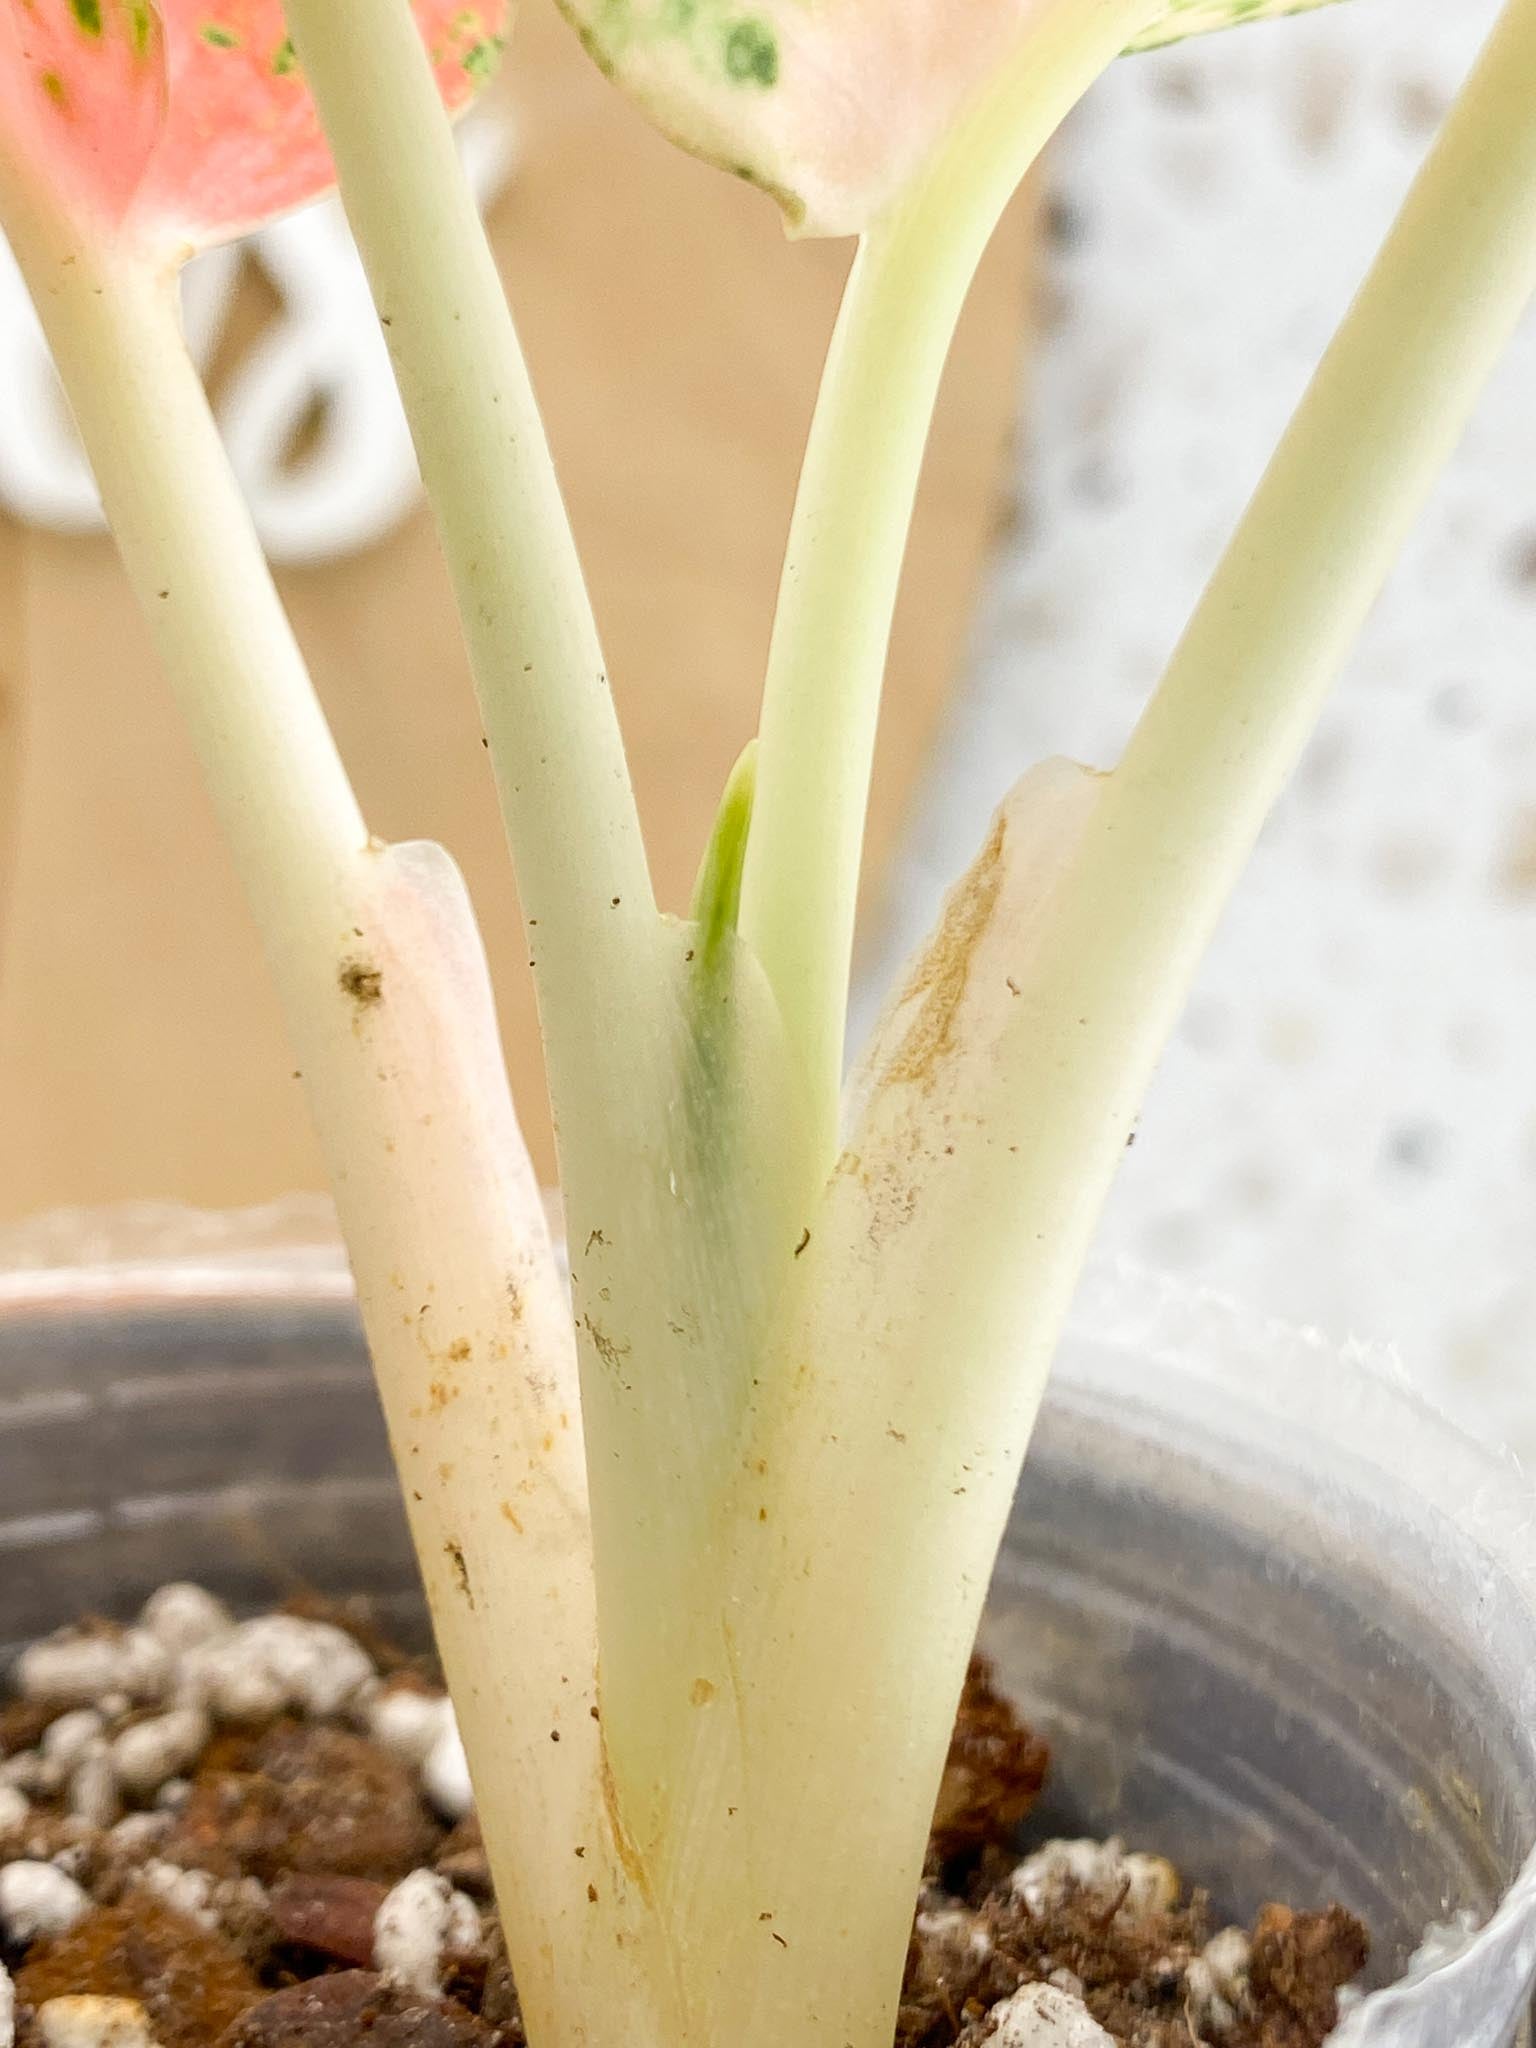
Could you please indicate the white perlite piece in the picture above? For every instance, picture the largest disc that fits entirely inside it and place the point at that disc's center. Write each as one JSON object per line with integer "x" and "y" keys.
{"x": 1150, "y": 1883}
{"x": 188, "y": 1892}
{"x": 1040, "y": 2016}
{"x": 149, "y": 1753}
{"x": 7, "y": 2009}
{"x": 88, "y": 2021}
{"x": 213, "y": 1902}
{"x": 445, "y": 1774}
{"x": 79, "y": 1667}
{"x": 68, "y": 1739}
{"x": 408, "y": 1723}
{"x": 92, "y": 1794}
{"x": 274, "y": 1664}
{"x": 422, "y": 1921}
{"x": 182, "y": 1615}
{"x": 1216, "y": 1982}
{"x": 38, "y": 1899}
{"x": 957, "y": 1928}
{"x": 1228, "y": 1955}
{"x": 14, "y": 1806}
{"x": 137, "y": 1834}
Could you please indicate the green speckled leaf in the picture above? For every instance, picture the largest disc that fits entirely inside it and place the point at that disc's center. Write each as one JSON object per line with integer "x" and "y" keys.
{"x": 830, "y": 104}
{"x": 827, "y": 104}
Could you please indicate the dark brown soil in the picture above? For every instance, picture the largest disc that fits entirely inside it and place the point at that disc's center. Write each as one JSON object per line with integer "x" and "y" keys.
{"x": 304, "y": 1798}
{"x": 1131, "y": 1973}
{"x": 1299, "y": 1962}
{"x": 994, "y": 1773}
{"x": 240, "y": 1914}
{"x": 21, "y": 1725}
{"x": 356, "y": 2006}
{"x": 1136, "y": 1967}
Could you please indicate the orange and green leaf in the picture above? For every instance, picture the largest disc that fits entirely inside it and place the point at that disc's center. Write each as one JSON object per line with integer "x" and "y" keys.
{"x": 183, "y": 122}
{"x": 82, "y": 97}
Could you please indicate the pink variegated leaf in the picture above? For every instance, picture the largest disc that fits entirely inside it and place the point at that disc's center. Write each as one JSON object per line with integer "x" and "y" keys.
{"x": 181, "y": 123}
{"x": 241, "y": 140}
{"x": 82, "y": 98}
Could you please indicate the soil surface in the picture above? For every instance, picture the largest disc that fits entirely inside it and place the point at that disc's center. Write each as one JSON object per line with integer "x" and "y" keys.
{"x": 259, "y": 1835}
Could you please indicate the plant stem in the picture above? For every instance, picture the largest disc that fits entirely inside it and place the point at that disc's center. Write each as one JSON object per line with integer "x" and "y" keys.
{"x": 544, "y": 695}
{"x": 196, "y": 566}
{"x": 664, "y": 1058}
{"x": 842, "y": 567}
{"x": 388, "y": 1005}
{"x": 895, "y": 1414}
{"x": 1166, "y": 835}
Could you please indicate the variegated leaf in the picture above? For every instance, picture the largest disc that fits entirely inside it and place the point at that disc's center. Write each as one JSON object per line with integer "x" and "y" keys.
{"x": 830, "y": 105}
{"x": 183, "y": 122}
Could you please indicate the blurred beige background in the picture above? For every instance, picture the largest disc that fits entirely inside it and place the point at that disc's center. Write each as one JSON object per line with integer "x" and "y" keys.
{"x": 676, "y": 337}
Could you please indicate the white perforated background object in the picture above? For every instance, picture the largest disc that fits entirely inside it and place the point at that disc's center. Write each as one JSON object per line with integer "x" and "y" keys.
{"x": 1344, "y": 1131}
{"x": 321, "y": 357}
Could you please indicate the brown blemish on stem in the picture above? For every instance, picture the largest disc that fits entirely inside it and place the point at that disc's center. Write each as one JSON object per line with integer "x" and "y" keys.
{"x": 510, "y": 1516}
{"x": 455, "y": 1555}
{"x": 939, "y": 980}
{"x": 701, "y": 1692}
{"x": 362, "y": 981}
{"x": 623, "y": 1841}
{"x": 609, "y": 1349}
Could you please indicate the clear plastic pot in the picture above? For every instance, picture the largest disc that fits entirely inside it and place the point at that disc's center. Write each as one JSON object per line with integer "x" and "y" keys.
{"x": 1278, "y": 1620}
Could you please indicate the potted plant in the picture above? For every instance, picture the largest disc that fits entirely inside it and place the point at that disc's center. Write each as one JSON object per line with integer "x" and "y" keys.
{"x": 759, "y": 1454}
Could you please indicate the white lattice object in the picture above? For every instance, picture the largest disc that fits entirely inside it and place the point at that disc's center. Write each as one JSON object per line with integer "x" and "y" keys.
{"x": 321, "y": 355}
{"x": 1344, "y": 1132}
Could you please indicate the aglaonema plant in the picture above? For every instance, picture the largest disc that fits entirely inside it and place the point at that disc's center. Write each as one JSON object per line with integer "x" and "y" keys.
{"x": 706, "y": 1533}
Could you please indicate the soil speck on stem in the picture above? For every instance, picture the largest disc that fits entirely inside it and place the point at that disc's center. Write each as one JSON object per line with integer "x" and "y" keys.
{"x": 362, "y": 981}
{"x": 455, "y": 1555}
